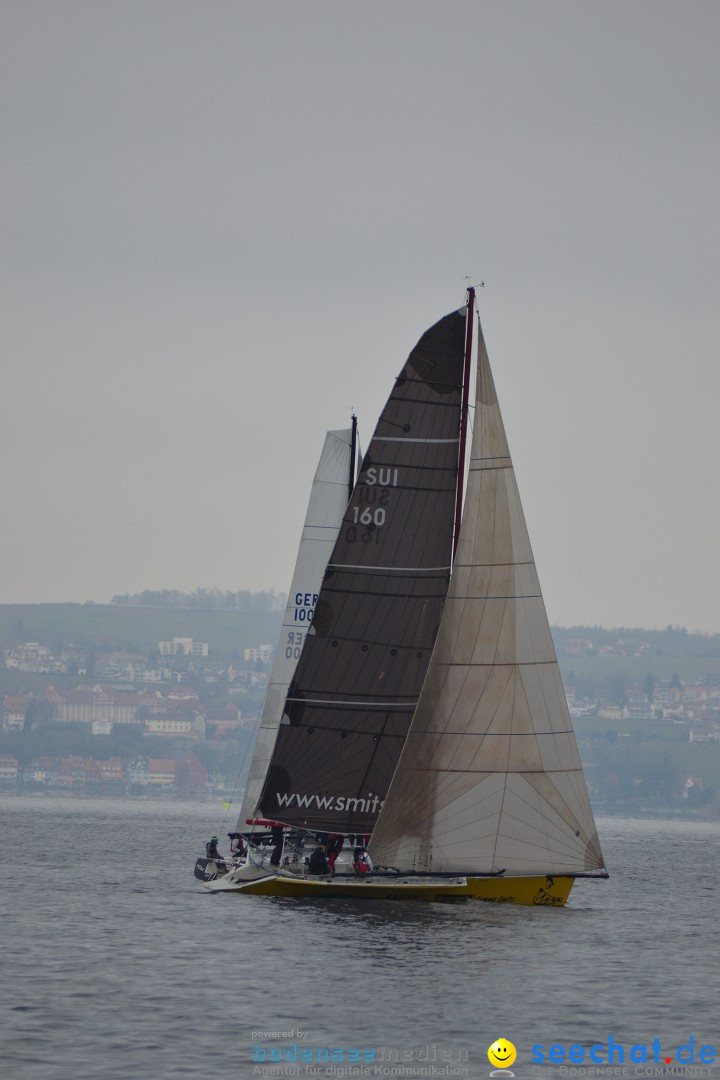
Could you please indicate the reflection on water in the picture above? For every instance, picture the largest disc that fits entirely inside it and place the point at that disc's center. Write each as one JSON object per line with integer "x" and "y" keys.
{"x": 117, "y": 964}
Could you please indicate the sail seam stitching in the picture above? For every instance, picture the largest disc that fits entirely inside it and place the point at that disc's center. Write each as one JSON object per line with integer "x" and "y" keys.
{"x": 546, "y": 817}
{"x": 504, "y": 791}
{"x": 356, "y": 704}
{"x": 510, "y": 596}
{"x": 494, "y": 663}
{"x": 489, "y": 468}
{"x": 499, "y": 734}
{"x": 395, "y": 569}
{"x": 401, "y": 439}
{"x": 472, "y": 565}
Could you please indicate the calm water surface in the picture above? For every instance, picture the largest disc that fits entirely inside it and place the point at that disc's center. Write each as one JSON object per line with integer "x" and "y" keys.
{"x": 116, "y": 964}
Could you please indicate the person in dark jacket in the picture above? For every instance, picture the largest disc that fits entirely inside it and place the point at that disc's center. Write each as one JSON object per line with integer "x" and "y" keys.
{"x": 211, "y": 851}
{"x": 276, "y": 838}
{"x": 318, "y": 863}
{"x": 237, "y": 845}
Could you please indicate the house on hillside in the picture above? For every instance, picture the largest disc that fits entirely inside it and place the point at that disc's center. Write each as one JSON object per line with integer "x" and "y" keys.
{"x": 181, "y": 646}
{"x": 161, "y": 773}
{"x": 187, "y": 723}
{"x": 220, "y": 720}
{"x": 89, "y": 703}
{"x": 13, "y": 712}
{"x": 8, "y": 770}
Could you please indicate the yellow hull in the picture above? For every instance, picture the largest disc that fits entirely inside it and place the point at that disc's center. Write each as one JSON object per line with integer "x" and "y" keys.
{"x": 531, "y": 891}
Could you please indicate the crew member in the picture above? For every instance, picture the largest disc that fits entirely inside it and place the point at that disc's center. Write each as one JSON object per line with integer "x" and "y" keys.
{"x": 335, "y": 845}
{"x": 362, "y": 863}
{"x": 211, "y": 849}
{"x": 237, "y": 845}
{"x": 318, "y": 863}
{"x": 276, "y": 838}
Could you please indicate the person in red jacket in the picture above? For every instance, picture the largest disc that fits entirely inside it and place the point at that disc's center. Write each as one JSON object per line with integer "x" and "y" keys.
{"x": 362, "y": 864}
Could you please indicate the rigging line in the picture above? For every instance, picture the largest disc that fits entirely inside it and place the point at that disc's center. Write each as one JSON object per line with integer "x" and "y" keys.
{"x": 395, "y": 423}
{"x": 251, "y": 743}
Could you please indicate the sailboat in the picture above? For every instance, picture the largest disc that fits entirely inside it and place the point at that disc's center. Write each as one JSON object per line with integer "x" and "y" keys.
{"x": 332, "y": 486}
{"x": 427, "y": 711}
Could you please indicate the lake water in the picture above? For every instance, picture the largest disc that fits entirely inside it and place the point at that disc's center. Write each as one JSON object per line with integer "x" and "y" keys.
{"x": 117, "y": 965}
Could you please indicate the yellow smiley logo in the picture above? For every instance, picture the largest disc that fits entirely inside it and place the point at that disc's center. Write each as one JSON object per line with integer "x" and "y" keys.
{"x": 502, "y": 1053}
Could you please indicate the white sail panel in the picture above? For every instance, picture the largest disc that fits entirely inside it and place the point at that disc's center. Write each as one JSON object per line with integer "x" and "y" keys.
{"x": 490, "y": 778}
{"x": 328, "y": 500}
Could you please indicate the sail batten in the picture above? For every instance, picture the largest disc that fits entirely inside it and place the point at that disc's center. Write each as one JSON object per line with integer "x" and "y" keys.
{"x": 490, "y": 777}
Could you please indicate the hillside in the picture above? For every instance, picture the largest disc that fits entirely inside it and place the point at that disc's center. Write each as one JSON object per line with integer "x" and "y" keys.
{"x": 592, "y": 655}
{"x": 656, "y": 764}
{"x": 107, "y": 627}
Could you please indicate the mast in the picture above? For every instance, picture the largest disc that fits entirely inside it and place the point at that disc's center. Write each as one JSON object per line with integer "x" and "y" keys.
{"x": 353, "y": 451}
{"x": 464, "y": 414}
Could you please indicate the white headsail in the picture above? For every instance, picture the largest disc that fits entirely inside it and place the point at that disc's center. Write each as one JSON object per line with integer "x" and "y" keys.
{"x": 490, "y": 779}
{"x": 328, "y": 501}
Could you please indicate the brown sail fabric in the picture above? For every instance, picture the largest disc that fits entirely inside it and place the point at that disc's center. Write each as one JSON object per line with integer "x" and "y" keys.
{"x": 490, "y": 779}
{"x": 350, "y": 704}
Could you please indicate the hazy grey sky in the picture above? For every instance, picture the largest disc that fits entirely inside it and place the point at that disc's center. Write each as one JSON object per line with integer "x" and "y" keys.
{"x": 226, "y": 223}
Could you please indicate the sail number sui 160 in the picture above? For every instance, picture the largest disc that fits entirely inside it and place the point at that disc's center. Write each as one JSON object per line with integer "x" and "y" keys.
{"x": 372, "y": 502}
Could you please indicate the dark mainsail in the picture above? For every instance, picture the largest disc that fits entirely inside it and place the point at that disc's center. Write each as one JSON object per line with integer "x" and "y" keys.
{"x": 357, "y": 682}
